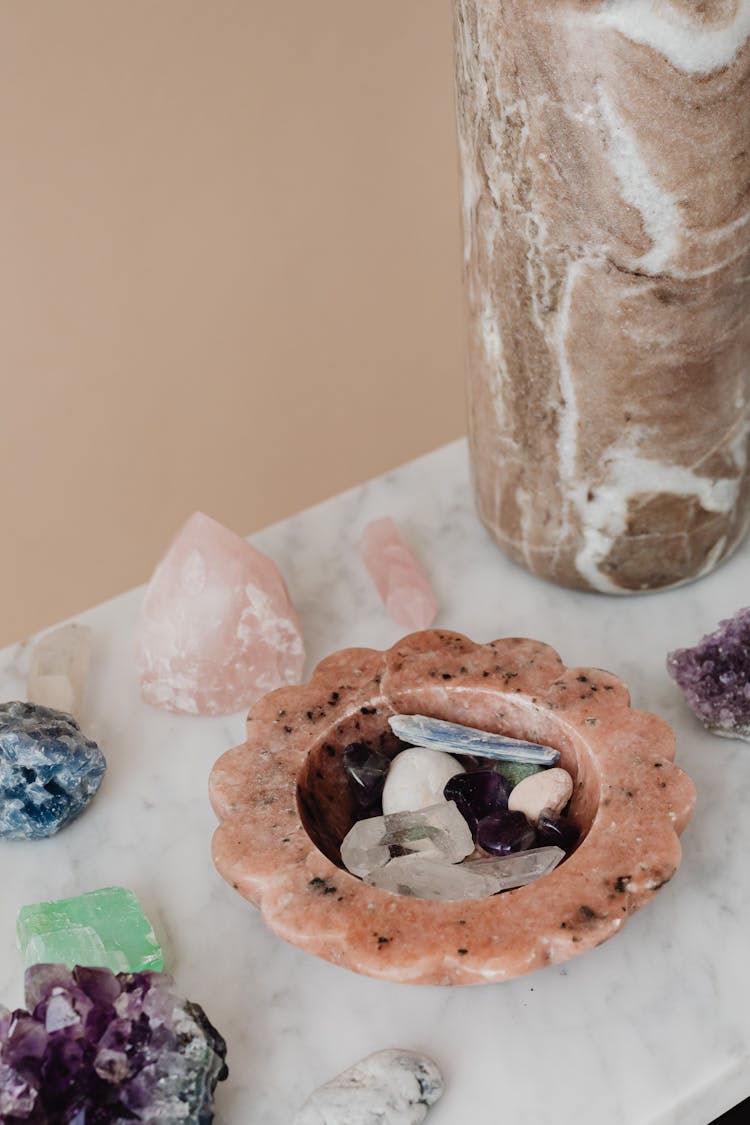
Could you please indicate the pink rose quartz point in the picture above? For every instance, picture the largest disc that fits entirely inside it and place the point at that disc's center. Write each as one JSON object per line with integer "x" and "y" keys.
{"x": 400, "y": 580}
{"x": 217, "y": 629}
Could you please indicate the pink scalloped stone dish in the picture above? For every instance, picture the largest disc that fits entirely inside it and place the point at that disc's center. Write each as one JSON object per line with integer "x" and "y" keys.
{"x": 284, "y": 807}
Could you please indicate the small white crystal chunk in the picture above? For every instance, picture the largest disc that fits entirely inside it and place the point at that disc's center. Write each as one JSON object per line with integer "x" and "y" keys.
{"x": 453, "y": 738}
{"x": 418, "y": 877}
{"x": 438, "y": 832}
{"x": 58, "y": 669}
{"x": 387, "y": 1088}
{"x": 516, "y": 870}
{"x": 417, "y": 778}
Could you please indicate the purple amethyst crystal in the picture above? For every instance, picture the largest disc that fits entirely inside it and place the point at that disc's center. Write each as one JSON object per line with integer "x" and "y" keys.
{"x": 366, "y": 770}
{"x": 477, "y": 795}
{"x": 714, "y": 677}
{"x": 505, "y": 832}
{"x": 100, "y": 1049}
{"x": 554, "y": 830}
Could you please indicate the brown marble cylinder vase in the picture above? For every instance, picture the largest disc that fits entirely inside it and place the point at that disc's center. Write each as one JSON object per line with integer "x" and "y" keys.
{"x": 605, "y": 149}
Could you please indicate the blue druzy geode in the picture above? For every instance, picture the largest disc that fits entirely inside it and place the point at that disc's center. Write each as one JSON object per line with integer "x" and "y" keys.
{"x": 49, "y": 771}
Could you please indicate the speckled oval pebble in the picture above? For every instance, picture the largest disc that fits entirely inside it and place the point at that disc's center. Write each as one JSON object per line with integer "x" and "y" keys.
{"x": 396, "y": 1087}
{"x": 417, "y": 778}
{"x": 550, "y": 789}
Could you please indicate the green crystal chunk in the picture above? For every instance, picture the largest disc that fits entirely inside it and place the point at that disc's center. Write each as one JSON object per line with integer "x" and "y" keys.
{"x": 101, "y": 929}
{"x": 513, "y": 772}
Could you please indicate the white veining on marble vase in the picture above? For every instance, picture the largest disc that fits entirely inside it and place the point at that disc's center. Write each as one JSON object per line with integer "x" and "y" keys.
{"x": 659, "y": 1002}
{"x": 673, "y": 34}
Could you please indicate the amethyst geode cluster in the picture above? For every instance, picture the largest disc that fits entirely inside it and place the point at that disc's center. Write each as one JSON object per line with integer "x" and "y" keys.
{"x": 714, "y": 677}
{"x": 99, "y": 1049}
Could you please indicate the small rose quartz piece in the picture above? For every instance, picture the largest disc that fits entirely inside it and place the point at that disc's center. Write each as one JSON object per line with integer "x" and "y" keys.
{"x": 217, "y": 629}
{"x": 400, "y": 580}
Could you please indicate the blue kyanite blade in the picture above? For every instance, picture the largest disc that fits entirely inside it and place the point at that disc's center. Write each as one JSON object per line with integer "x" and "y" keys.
{"x": 436, "y": 734}
{"x": 49, "y": 771}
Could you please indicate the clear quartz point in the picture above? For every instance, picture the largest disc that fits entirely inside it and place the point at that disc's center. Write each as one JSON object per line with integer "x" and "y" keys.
{"x": 518, "y": 869}
{"x": 437, "y": 832}
{"x": 58, "y": 669}
{"x": 453, "y": 738}
{"x": 420, "y": 877}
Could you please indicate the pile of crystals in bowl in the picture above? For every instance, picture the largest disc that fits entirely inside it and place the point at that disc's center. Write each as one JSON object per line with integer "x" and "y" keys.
{"x": 432, "y": 826}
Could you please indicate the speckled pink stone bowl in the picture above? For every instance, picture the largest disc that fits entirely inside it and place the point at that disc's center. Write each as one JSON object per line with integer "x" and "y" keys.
{"x": 285, "y": 806}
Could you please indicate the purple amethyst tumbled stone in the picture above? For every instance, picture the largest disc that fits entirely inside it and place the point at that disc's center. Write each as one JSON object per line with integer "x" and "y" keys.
{"x": 504, "y": 832}
{"x": 100, "y": 1049}
{"x": 477, "y": 795}
{"x": 714, "y": 677}
{"x": 366, "y": 770}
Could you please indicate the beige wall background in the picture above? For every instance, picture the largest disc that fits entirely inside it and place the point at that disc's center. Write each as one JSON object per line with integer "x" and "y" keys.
{"x": 229, "y": 271}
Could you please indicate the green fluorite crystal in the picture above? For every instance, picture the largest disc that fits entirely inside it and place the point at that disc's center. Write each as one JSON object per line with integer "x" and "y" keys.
{"x": 513, "y": 772}
{"x": 101, "y": 929}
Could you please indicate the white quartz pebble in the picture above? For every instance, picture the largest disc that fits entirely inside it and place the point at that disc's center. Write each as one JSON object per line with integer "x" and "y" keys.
{"x": 387, "y": 1088}
{"x": 550, "y": 789}
{"x": 417, "y": 778}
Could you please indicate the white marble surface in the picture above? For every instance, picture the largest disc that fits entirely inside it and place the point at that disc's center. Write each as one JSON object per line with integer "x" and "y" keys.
{"x": 652, "y": 1028}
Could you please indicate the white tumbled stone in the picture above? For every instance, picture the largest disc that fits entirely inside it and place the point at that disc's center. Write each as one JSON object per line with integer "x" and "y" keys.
{"x": 417, "y": 778}
{"x": 550, "y": 789}
{"x": 387, "y": 1088}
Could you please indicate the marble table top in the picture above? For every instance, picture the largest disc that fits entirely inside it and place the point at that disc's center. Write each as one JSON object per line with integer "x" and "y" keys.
{"x": 652, "y": 1028}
